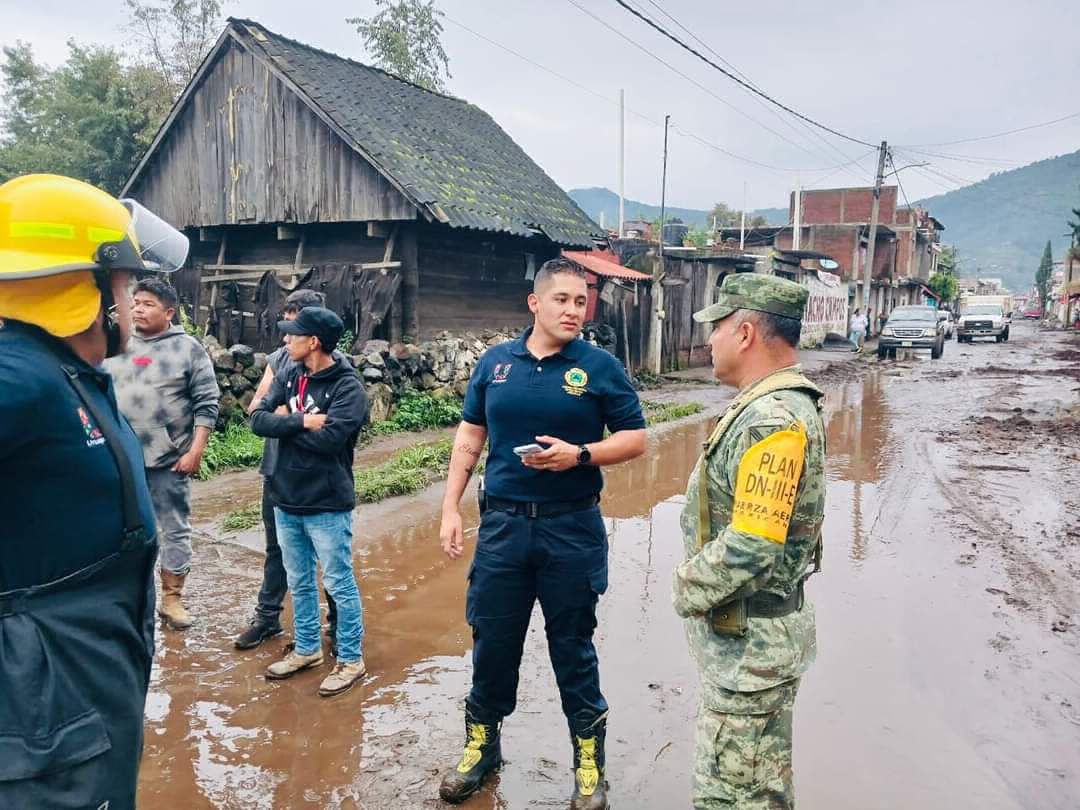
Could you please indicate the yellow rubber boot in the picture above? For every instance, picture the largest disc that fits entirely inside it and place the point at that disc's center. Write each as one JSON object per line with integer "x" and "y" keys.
{"x": 482, "y": 755}
{"x": 590, "y": 786}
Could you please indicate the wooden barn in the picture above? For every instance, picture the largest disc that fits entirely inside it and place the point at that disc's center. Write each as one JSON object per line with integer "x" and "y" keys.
{"x": 413, "y": 210}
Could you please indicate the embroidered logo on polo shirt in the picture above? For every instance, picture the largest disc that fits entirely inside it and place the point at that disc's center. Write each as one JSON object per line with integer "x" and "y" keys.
{"x": 576, "y": 380}
{"x": 94, "y": 436}
{"x": 501, "y": 372}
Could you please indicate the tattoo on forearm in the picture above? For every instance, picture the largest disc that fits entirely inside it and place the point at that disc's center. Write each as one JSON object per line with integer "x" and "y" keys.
{"x": 473, "y": 452}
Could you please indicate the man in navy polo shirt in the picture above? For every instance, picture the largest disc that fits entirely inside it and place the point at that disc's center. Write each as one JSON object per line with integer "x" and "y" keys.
{"x": 541, "y": 532}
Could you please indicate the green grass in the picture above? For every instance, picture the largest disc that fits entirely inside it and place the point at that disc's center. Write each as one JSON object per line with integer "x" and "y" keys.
{"x": 239, "y": 520}
{"x": 407, "y": 471}
{"x": 657, "y": 413}
{"x": 417, "y": 411}
{"x": 234, "y": 447}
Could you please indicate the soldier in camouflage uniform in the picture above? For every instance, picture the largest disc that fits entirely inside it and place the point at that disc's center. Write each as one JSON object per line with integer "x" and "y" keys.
{"x": 752, "y": 530}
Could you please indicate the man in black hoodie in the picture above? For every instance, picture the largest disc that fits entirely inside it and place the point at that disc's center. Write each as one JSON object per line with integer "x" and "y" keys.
{"x": 316, "y": 410}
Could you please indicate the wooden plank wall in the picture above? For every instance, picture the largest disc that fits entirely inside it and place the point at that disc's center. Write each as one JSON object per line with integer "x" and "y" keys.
{"x": 345, "y": 243}
{"x": 246, "y": 149}
{"x": 471, "y": 280}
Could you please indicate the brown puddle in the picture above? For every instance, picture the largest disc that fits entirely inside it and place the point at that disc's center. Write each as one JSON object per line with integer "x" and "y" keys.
{"x": 915, "y": 700}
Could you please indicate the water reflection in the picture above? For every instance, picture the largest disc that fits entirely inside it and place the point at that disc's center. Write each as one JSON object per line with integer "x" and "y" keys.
{"x": 856, "y": 422}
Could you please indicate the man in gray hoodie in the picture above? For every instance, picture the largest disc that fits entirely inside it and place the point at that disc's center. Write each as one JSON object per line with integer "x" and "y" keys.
{"x": 165, "y": 386}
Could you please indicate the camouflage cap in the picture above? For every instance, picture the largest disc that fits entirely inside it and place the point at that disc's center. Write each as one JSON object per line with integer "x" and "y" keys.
{"x": 758, "y": 292}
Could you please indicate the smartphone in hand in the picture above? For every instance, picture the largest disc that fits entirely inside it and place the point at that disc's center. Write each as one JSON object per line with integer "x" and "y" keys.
{"x": 527, "y": 449}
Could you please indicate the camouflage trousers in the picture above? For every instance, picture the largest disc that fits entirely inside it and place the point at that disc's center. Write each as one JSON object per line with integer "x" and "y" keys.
{"x": 742, "y": 750}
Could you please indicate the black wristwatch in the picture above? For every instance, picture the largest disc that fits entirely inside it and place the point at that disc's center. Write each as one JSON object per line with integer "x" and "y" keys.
{"x": 583, "y": 455}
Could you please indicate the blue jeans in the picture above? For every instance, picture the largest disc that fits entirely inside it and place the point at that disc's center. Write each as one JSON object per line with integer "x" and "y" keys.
{"x": 324, "y": 538}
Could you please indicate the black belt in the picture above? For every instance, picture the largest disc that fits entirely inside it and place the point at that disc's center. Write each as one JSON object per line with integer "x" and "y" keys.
{"x": 538, "y": 510}
{"x": 769, "y": 606}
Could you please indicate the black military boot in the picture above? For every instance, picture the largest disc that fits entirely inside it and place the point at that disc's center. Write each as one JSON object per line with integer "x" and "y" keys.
{"x": 590, "y": 786}
{"x": 482, "y": 755}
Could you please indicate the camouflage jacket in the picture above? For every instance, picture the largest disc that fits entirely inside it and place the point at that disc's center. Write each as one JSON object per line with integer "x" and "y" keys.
{"x": 739, "y": 559}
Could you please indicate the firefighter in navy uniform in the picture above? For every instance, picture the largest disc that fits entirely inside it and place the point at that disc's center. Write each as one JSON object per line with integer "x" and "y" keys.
{"x": 78, "y": 547}
{"x": 541, "y": 532}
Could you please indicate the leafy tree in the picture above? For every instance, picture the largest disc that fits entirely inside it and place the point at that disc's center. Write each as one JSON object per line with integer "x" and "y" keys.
{"x": 1075, "y": 227}
{"x": 173, "y": 37}
{"x": 405, "y": 38}
{"x": 698, "y": 237}
{"x": 727, "y": 217}
{"x": 949, "y": 260}
{"x": 90, "y": 118}
{"x": 1042, "y": 276}
{"x": 944, "y": 285}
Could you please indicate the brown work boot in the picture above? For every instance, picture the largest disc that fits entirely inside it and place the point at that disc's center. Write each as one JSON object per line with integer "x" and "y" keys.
{"x": 292, "y": 663}
{"x": 482, "y": 755}
{"x": 342, "y": 678}
{"x": 172, "y": 610}
{"x": 590, "y": 786}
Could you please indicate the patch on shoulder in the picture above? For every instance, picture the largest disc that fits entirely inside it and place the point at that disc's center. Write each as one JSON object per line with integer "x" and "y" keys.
{"x": 767, "y": 480}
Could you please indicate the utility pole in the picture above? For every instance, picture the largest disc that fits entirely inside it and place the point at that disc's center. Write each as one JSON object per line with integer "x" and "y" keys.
{"x": 742, "y": 220}
{"x": 868, "y": 271}
{"x": 656, "y": 336}
{"x": 796, "y": 236}
{"x": 622, "y": 160}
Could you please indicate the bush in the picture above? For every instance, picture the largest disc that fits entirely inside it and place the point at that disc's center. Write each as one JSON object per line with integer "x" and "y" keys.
{"x": 407, "y": 471}
{"x": 659, "y": 412}
{"x": 236, "y": 446}
{"x": 246, "y": 518}
{"x": 417, "y": 410}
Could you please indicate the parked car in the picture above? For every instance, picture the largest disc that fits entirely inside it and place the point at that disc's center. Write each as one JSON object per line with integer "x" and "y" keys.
{"x": 947, "y": 321}
{"x": 983, "y": 320}
{"x": 912, "y": 327}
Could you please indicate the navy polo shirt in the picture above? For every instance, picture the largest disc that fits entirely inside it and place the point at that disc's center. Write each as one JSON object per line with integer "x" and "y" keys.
{"x": 61, "y": 500}
{"x": 572, "y": 395}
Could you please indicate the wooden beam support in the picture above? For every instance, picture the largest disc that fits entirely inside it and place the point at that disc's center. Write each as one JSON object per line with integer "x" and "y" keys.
{"x": 214, "y": 289}
{"x": 410, "y": 287}
{"x": 252, "y": 267}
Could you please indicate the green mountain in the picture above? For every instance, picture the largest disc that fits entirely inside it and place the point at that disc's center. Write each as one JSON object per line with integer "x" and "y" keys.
{"x": 596, "y": 200}
{"x": 1000, "y": 225}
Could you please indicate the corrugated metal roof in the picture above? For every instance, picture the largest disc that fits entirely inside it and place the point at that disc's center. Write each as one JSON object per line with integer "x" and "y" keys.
{"x": 604, "y": 264}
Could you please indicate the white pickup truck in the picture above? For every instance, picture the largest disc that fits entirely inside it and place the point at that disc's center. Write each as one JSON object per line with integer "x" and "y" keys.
{"x": 982, "y": 320}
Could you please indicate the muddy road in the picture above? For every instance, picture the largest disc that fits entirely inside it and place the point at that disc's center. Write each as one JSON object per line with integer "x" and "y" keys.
{"x": 948, "y": 616}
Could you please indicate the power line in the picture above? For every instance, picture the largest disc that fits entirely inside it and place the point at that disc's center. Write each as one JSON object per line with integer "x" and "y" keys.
{"x": 642, "y": 116}
{"x": 733, "y": 77}
{"x": 857, "y": 160}
{"x": 685, "y": 76}
{"x": 1001, "y": 134}
{"x": 895, "y": 173}
{"x": 970, "y": 159}
{"x": 794, "y": 125}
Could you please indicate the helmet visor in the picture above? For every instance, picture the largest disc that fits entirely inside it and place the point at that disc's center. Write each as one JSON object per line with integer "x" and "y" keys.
{"x": 162, "y": 248}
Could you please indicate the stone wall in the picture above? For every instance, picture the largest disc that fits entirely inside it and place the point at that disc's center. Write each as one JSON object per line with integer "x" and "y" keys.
{"x": 440, "y": 367}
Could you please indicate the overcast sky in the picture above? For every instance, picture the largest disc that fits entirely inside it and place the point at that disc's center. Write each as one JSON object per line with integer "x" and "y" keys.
{"x": 911, "y": 73}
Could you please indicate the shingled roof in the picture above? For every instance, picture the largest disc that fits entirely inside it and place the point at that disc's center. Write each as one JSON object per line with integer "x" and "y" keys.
{"x": 448, "y": 156}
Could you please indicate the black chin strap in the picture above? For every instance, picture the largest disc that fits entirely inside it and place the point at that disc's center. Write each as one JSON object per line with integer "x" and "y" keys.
{"x": 111, "y": 322}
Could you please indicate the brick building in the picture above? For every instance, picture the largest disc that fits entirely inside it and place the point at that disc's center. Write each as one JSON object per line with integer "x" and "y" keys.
{"x": 836, "y": 223}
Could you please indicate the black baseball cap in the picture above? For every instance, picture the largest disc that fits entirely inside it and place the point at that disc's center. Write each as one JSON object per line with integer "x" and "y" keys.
{"x": 317, "y": 322}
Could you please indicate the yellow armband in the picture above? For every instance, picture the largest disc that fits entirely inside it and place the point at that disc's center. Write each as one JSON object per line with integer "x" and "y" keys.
{"x": 766, "y": 484}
